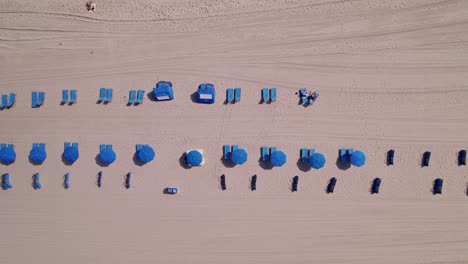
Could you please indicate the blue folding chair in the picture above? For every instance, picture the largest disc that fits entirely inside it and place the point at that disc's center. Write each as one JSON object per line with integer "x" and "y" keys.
{"x": 41, "y": 99}
{"x": 229, "y": 95}
{"x": 102, "y": 95}
{"x": 4, "y": 101}
{"x": 108, "y": 95}
{"x": 304, "y": 155}
{"x": 226, "y": 152}
{"x": 140, "y": 95}
{"x": 72, "y": 97}
{"x": 64, "y": 97}
{"x": 131, "y": 97}
{"x": 273, "y": 94}
{"x": 238, "y": 94}
{"x": 12, "y": 100}
{"x": 265, "y": 95}
{"x": 264, "y": 153}
{"x": 34, "y": 99}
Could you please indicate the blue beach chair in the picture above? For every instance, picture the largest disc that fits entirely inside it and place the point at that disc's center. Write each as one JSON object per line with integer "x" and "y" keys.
{"x": 234, "y": 147}
{"x": 272, "y": 149}
{"x": 229, "y": 95}
{"x": 273, "y": 94}
{"x": 34, "y": 99}
{"x": 12, "y": 100}
{"x": 265, "y": 95}
{"x": 302, "y": 95}
{"x": 390, "y": 155}
{"x": 226, "y": 153}
{"x": 41, "y": 99}
{"x": 304, "y": 155}
{"x": 72, "y": 97}
{"x": 108, "y": 98}
{"x": 138, "y": 147}
{"x": 64, "y": 97}
{"x": 140, "y": 95}
{"x": 4, "y": 101}
{"x": 102, "y": 95}
{"x": 102, "y": 147}
{"x": 311, "y": 152}
{"x": 264, "y": 153}
{"x": 131, "y": 97}
{"x": 343, "y": 156}
{"x": 437, "y": 189}
{"x": 238, "y": 94}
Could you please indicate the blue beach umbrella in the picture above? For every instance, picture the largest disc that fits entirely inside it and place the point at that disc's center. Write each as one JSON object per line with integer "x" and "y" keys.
{"x": 107, "y": 156}
{"x": 71, "y": 154}
{"x": 358, "y": 158}
{"x": 37, "y": 155}
{"x": 146, "y": 154}
{"x": 317, "y": 161}
{"x": 194, "y": 158}
{"x": 278, "y": 159}
{"x": 7, "y": 155}
{"x": 239, "y": 156}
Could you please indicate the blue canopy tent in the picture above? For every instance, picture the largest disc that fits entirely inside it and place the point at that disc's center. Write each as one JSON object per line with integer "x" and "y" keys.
{"x": 107, "y": 156}
{"x": 38, "y": 155}
{"x": 239, "y": 156}
{"x": 358, "y": 158}
{"x": 163, "y": 91}
{"x": 206, "y": 94}
{"x": 71, "y": 153}
{"x": 317, "y": 161}
{"x": 146, "y": 154}
{"x": 7, "y": 155}
{"x": 194, "y": 158}
{"x": 278, "y": 159}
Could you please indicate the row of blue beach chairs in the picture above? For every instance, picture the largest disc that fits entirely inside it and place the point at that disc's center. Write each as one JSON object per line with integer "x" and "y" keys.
{"x": 7, "y": 103}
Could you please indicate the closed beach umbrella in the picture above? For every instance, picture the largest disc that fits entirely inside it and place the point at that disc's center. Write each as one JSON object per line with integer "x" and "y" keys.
{"x": 358, "y": 158}
{"x": 239, "y": 156}
{"x": 317, "y": 161}
{"x": 107, "y": 156}
{"x": 71, "y": 154}
{"x": 278, "y": 159}
{"x": 7, "y": 155}
{"x": 146, "y": 154}
{"x": 194, "y": 158}
{"x": 37, "y": 155}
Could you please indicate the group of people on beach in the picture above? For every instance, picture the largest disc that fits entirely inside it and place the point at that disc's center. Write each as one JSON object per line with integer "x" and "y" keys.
{"x": 309, "y": 96}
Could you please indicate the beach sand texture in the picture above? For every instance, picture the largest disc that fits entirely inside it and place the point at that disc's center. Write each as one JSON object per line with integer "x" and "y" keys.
{"x": 391, "y": 74}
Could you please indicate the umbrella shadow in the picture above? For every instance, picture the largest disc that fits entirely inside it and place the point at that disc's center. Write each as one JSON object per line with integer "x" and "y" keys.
{"x": 264, "y": 164}
{"x": 303, "y": 166}
{"x": 194, "y": 97}
{"x": 342, "y": 165}
{"x": 99, "y": 162}
{"x": 227, "y": 162}
{"x": 137, "y": 161}
{"x": 182, "y": 162}
{"x": 151, "y": 96}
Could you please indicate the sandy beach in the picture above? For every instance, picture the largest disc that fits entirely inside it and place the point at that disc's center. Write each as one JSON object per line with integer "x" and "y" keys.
{"x": 391, "y": 75}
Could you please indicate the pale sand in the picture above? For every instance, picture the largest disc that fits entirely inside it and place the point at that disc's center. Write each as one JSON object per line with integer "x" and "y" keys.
{"x": 391, "y": 74}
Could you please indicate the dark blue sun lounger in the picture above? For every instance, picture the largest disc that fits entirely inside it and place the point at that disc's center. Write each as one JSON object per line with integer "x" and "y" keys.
{"x": 108, "y": 95}
{"x": 226, "y": 152}
{"x": 331, "y": 185}
{"x": 265, "y": 95}
{"x": 229, "y": 95}
{"x": 343, "y": 156}
{"x": 426, "y": 158}
{"x": 12, "y": 100}
{"x": 237, "y": 92}
{"x": 222, "y": 180}
{"x": 390, "y": 155}
{"x": 253, "y": 183}
{"x": 304, "y": 155}
{"x": 295, "y": 181}
{"x": 41, "y": 99}
{"x": 438, "y": 186}
{"x": 264, "y": 153}
{"x": 462, "y": 157}
{"x": 140, "y": 95}
{"x": 34, "y": 99}
{"x": 64, "y": 96}
{"x": 376, "y": 185}
{"x": 131, "y": 97}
